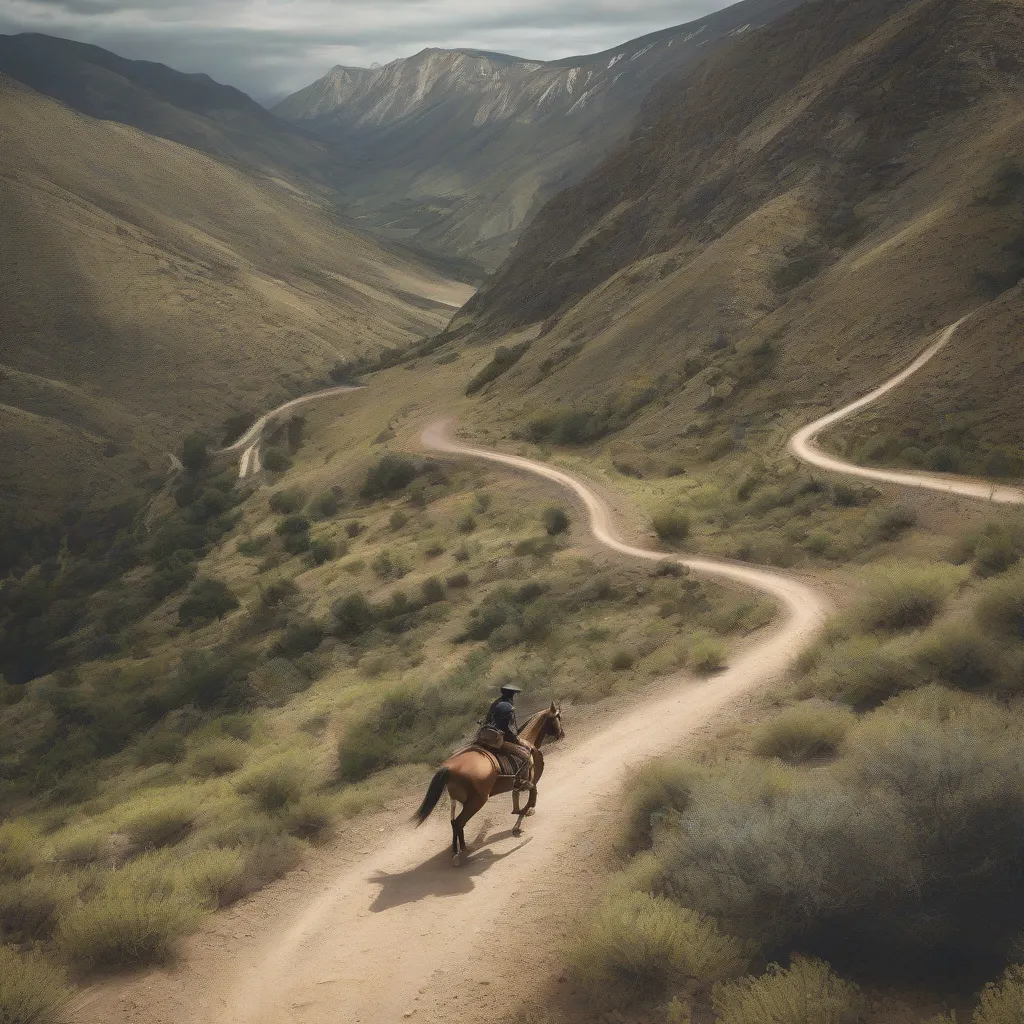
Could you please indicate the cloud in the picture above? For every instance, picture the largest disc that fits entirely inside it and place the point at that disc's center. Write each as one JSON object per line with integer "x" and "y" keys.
{"x": 271, "y": 47}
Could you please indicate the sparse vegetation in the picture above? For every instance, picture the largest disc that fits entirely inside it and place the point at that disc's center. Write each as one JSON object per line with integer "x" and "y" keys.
{"x": 33, "y": 990}
{"x": 806, "y": 731}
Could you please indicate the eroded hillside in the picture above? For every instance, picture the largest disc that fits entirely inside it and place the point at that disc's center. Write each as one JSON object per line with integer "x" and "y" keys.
{"x": 788, "y": 223}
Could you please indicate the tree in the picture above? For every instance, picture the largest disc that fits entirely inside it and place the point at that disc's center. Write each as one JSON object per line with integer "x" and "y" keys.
{"x": 208, "y": 600}
{"x": 556, "y": 520}
{"x": 194, "y": 453}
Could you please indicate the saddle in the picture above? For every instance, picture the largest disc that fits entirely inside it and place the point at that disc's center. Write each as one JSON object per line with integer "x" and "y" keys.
{"x": 488, "y": 740}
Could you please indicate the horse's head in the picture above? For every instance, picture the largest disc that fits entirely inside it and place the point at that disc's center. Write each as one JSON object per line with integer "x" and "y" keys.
{"x": 553, "y": 723}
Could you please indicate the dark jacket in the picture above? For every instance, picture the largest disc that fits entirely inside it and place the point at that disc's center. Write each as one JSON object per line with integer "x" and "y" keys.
{"x": 502, "y": 715}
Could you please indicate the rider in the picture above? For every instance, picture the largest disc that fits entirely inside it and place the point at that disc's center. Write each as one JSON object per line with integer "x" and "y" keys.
{"x": 502, "y": 716}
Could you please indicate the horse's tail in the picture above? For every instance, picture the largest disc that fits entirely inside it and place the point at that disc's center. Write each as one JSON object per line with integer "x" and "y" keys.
{"x": 434, "y": 791}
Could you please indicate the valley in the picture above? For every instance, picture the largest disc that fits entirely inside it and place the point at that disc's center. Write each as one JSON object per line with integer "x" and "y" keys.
{"x": 723, "y": 455}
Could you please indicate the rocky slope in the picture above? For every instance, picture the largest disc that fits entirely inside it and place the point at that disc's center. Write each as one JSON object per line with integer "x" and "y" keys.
{"x": 787, "y": 224}
{"x": 191, "y": 109}
{"x": 138, "y": 308}
{"x": 456, "y": 149}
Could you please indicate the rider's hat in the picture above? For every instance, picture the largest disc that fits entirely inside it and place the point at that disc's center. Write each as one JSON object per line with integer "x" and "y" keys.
{"x": 510, "y": 688}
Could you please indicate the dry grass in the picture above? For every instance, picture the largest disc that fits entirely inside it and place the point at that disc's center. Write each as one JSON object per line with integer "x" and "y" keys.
{"x": 33, "y": 990}
{"x": 809, "y": 730}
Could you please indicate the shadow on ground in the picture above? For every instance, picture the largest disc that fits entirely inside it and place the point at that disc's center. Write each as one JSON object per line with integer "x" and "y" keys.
{"x": 437, "y": 876}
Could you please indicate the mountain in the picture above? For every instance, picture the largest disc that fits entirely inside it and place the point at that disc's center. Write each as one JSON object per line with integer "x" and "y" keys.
{"x": 457, "y": 149}
{"x": 789, "y": 223}
{"x": 191, "y": 109}
{"x": 139, "y": 307}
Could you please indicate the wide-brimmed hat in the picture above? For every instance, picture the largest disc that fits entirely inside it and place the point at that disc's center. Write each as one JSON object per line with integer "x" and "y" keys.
{"x": 511, "y": 689}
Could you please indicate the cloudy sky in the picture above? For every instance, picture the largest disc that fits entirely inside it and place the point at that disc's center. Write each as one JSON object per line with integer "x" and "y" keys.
{"x": 271, "y": 47}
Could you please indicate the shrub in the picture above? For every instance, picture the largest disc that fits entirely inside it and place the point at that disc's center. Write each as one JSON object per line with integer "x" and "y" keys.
{"x": 296, "y": 543}
{"x": 387, "y": 566}
{"x": 1002, "y": 1002}
{"x": 458, "y": 581}
{"x": 326, "y": 505}
{"x": 659, "y": 787}
{"x": 390, "y": 475}
{"x": 503, "y": 359}
{"x": 398, "y": 520}
{"x": 18, "y": 845}
{"x": 212, "y": 876}
{"x": 292, "y": 524}
{"x": 995, "y": 553}
{"x": 1000, "y": 608}
{"x": 32, "y": 989}
{"x": 309, "y": 818}
{"x": 31, "y": 907}
{"x": 162, "y": 824}
{"x": 194, "y": 453}
{"x": 556, "y": 520}
{"x": 219, "y": 757}
{"x": 809, "y": 992}
{"x": 622, "y": 660}
{"x": 353, "y": 616}
{"x": 251, "y": 547}
{"x": 904, "y": 597}
{"x": 482, "y": 501}
{"x": 292, "y": 499}
{"x": 275, "y": 784}
{"x": 960, "y": 655}
{"x": 275, "y": 461}
{"x": 638, "y": 946}
{"x": 888, "y": 522}
{"x": 432, "y": 590}
{"x": 208, "y": 600}
{"x": 271, "y": 857}
{"x": 123, "y": 927}
{"x": 671, "y": 525}
{"x": 353, "y": 529}
{"x": 805, "y": 731}
{"x": 863, "y": 673}
{"x": 708, "y": 654}
{"x": 277, "y": 592}
{"x": 466, "y": 524}
{"x": 163, "y": 747}
{"x": 322, "y": 550}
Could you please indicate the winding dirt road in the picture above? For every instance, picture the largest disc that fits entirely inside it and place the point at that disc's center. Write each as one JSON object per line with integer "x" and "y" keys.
{"x": 399, "y": 932}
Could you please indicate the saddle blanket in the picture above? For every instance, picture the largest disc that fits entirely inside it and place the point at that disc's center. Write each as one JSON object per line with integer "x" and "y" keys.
{"x": 507, "y": 764}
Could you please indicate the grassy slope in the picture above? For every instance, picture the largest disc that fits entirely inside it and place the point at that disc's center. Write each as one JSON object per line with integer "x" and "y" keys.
{"x": 149, "y": 291}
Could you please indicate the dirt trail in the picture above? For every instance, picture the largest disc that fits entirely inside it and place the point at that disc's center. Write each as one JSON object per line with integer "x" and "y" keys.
{"x": 397, "y": 932}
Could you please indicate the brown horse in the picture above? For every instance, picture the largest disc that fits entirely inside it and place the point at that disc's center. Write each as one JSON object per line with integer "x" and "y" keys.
{"x": 472, "y": 778}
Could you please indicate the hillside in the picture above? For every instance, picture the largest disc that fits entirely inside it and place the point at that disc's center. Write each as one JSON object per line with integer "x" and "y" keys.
{"x": 191, "y": 109}
{"x": 139, "y": 308}
{"x": 788, "y": 223}
{"x": 457, "y": 149}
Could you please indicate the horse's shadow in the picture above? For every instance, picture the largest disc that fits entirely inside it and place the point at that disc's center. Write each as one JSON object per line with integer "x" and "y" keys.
{"x": 437, "y": 876}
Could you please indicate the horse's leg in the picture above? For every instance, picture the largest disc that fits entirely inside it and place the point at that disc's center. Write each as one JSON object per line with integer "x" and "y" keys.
{"x": 473, "y": 803}
{"x": 455, "y": 831}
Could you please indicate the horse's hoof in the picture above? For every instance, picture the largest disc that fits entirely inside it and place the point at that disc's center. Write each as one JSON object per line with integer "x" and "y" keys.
{"x": 517, "y": 831}
{"x": 457, "y": 860}
{"x": 530, "y": 813}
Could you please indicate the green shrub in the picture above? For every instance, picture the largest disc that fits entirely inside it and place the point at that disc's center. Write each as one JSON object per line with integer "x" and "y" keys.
{"x": 1000, "y": 608}
{"x": 275, "y": 461}
{"x": 292, "y": 524}
{"x": 194, "y": 453}
{"x": 995, "y": 553}
{"x": 18, "y": 845}
{"x": 31, "y": 907}
{"x": 708, "y": 654}
{"x": 310, "y": 817}
{"x": 1002, "y": 1002}
{"x": 219, "y": 757}
{"x": 904, "y": 597}
{"x": 326, "y": 505}
{"x": 504, "y": 358}
{"x": 864, "y": 673}
{"x": 32, "y": 989}
{"x": 398, "y": 520}
{"x": 275, "y": 784}
{"x": 162, "y": 747}
{"x": 277, "y": 592}
{"x": 353, "y": 616}
{"x": 208, "y": 600}
{"x": 671, "y": 525}
{"x": 622, "y": 660}
{"x": 638, "y": 946}
{"x": 123, "y": 927}
{"x": 459, "y": 581}
{"x": 353, "y": 529}
{"x": 296, "y": 543}
{"x": 809, "y": 992}
{"x": 466, "y": 523}
{"x": 391, "y": 474}
{"x": 658, "y": 788}
{"x": 432, "y": 590}
{"x": 387, "y": 566}
{"x": 888, "y": 522}
{"x": 556, "y": 520}
{"x": 270, "y": 858}
{"x": 960, "y": 655}
{"x": 299, "y": 638}
{"x": 252, "y": 547}
{"x": 162, "y": 824}
{"x": 322, "y": 550}
{"x": 803, "y": 732}
{"x": 291, "y": 499}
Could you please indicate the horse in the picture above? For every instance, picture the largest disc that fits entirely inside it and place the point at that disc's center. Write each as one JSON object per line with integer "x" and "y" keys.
{"x": 471, "y": 778}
